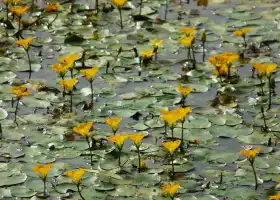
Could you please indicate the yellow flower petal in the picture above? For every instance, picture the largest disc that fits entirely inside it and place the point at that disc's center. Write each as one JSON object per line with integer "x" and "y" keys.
{"x": 172, "y": 146}
{"x": 89, "y": 74}
{"x": 137, "y": 138}
{"x": 113, "y": 123}
{"x": 42, "y": 170}
{"x": 20, "y": 91}
{"x": 118, "y": 140}
{"x": 76, "y": 175}
{"x": 119, "y": 3}
{"x": 170, "y": 189}
{"x": 68, "y": 84}
{"x": 25, "y": 43}
{"x": 83, "y": 129}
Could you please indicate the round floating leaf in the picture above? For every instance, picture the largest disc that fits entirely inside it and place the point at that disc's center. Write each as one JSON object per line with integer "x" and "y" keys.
{"x": 21, "y": 191}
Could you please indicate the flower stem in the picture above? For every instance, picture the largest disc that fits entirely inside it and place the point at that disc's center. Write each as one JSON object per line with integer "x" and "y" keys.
{"x": 71, "y": 73}
{"x": 194, "y": 60}
{"x": 120, "y": 12}
{"x": 45, "y": 188}
{"x": 261, "y": 86}
{"x": 173, "y": 170}
{"x": 29, "y": 62}
{"x": 255, "y": 175}
{"x": 139, "y": 160}
{"x": 16, "y": 111}
{"x": 203, "y": 51}
{"x": 96, "y": 6}
{"x": 172, "y": 133}
{"x": 71, "y": 102}
{"x": 270, "y": 94}
{"x": 182, "y": 137}
{"x": 245, "y": 43}
{"x": 56, "y": 15}
{"x": 19, "y": 19}
{"x": 89, "y": 151}
{"x": 119, "y": 159}
{"x": 1, "y": 132}
{"x": 91, "y": 87}
{"x": 264, "y": 120}
{"x": 80, "y": 192}
{"x": 140, "y": 11}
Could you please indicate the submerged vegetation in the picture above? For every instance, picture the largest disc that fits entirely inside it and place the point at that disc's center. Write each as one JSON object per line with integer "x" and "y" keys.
{"x": 138, "y": 99}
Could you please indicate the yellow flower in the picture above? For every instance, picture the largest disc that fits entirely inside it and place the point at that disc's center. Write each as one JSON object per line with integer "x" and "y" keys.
{"x": 25, "y": 43}
{"x": 170, "y": 117}
{"x": 183, "y": 112}
{"x": 170, "y": 189}
{"x": 113, "y": 123}
{"x": 18, "y": 10}
{"x": 229, "y": 57}
{"x": 203, "y": 36}
{"x": 76, "y": 175}
{"x": 274, "y": 197}
{"x": 89, "y": 74}
{"x": 147, "y": 54}
{"x": 188, "y": 31}
{"x": 42, "y": 170}
{"x": 11, "y": 1}
{"x": 118, "y": 140}
{"x": 242, "y": 32}
{"x": 68, "y": 84}
{"x": 20, "y": 91}
{"x": 172, "y": 146}
{"x": 69, "y": 60}
{"x": 265, "y": 69}
{"x": 184, "y": 91}
{"x": 52, "y": 7}
{"x": 119, "y": 3}
{"x": 58, "y": 68}
{"x": 83, "y": 129}
{"x": 137, "y": 138}
{"x": 187, "y": 41}
{"x": 156, "y": 43}
{"x": 250, "y": 153}
{"x": 202, "y": 3}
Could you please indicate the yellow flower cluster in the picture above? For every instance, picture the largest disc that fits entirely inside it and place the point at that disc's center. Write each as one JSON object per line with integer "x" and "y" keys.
{"x": 265, "y": 69}
{"x": 173, "y": 116}
{"x": 170, "y": 190}
{"x": 223, "y": 62}
{"x": 250, "y": 154}
{"x": 68, "y": 84}
{"x": 156, "y": 43}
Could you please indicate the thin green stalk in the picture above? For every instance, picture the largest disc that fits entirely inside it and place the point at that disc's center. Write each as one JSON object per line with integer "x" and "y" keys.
{"x": 221, "y": 178}
{"x": 139, "y": 160}
{"x": 165, "y": 128}
{"x": 228, "y": 75}
{"x": 80, "y": 192}
{"x": 45, "y": 188}
{"x": 96, "y": 6}
{"x": 194, "y": 60}
{"x": 182, "y": 136}
{"x": 255, "y": 175}
{"x": 71, "y": 102}
{"x": 19, "y": 19}
{"x": 166, "y": 10}
{"x": 29, "y": 62}
{"x": 203, "y": 51}
{"x": 1, "y": 131}
{"x": 120, "y": 12}
{"x": 269, "y": 92}
{"x": 32, "y": 7}
{"x": 119, "y": 159}
{"x": 16, "y": 111}
{"x": 261, "y": 86}
{"x": 172, "y": 133}
{"x": 72, "y": 72}
{"x": 91, "y": 87}
{"x": 173, "y": 170}
{"x": 140, "y": 11}
{"x": 91, "y": 161}
{"x": 56, "y": 16}
{"x": 189, "y": 53}
{"x": 264, "y": 120}
{"x": 245, "y": 43}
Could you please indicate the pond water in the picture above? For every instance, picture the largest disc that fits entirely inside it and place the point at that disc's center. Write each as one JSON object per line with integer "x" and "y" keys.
{"x": 226, "y": 112}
